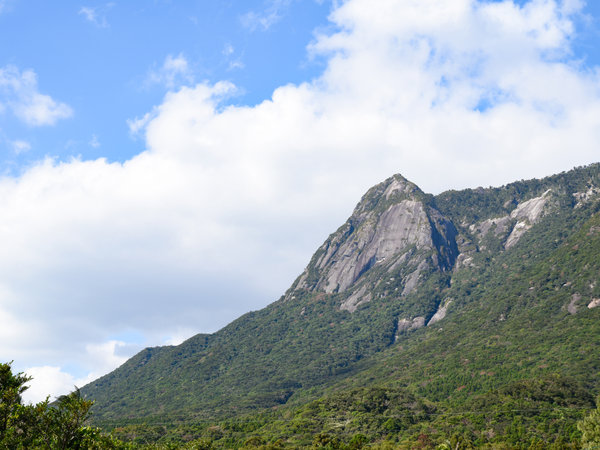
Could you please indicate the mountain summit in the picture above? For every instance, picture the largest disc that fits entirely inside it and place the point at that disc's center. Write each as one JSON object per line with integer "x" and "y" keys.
{"x": 393, "y": 230}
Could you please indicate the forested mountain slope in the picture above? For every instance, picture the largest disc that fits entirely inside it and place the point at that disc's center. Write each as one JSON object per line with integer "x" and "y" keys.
{"x": 446, "y": 298}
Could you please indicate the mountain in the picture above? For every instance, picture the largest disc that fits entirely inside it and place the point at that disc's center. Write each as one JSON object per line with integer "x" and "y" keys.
{"x": 395, "y": 229}
{"x": 438, "y": 303}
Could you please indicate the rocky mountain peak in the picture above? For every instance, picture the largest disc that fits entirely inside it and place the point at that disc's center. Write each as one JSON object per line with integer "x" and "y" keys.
{"x": 393, "y": 189}
{"x": 393, "y": 228}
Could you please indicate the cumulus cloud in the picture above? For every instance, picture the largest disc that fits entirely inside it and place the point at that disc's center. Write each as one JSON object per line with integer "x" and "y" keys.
{"x": 52, "y": 379}
{"x": 47, "y": 379}
{"x": 19, "y": 92}
{"x": 174, "y": 72}
{"x": 227, "y": 203}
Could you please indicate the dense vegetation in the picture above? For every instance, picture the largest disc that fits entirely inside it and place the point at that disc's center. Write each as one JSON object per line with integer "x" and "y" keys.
{"x": 538, "y": 413}
{"x": 514, "y": 363}
{"x": 527, "y": 414}
{"x": 61, "y": 425}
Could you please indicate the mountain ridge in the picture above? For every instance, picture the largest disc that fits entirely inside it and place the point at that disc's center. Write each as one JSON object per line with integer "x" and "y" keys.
{"x": 350, "y": 311}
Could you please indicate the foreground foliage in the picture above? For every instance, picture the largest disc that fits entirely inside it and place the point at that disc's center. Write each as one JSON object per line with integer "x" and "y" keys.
{"x": 61, "y": 425}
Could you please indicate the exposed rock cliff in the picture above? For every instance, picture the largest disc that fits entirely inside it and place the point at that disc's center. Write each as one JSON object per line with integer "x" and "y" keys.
{"x": 510, "y": 228}
{"x": 394, "y": 228}
{"x": 441, "y": 312}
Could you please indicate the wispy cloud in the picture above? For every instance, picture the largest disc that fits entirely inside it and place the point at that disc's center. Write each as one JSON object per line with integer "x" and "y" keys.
{"x": 19, "y": 91}
{"x": 228, "y": 50}
{"x": 97, "y": 15}
{"x": 94, "y": 142}
{"x": 174, "y": 72}
{"x": 6, "y": 5}
{"x": 236, "y": 64}
{"x": 265, "y": 19}
{"x": 20, "y": 146}
{"x": 138, "y": 125}
{"x": 233, "y": 61}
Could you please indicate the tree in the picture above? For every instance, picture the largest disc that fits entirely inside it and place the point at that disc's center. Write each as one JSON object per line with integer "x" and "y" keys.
{"x": 590, "y": 428}
{"x": 63, "y": 423}
{"x": 326, "y": 440}
{"x": 43, "y": 425}
{"x": 11, "y": 388}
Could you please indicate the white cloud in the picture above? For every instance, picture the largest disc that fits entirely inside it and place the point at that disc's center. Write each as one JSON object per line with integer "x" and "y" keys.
{"x": 266, "y": 18}
{"x": 20, "y": 93}
{"x": 53, "y": 381}
{"x": 228, "y": 50}
{"x": 20, "y": 146}
{"x": 233, "y": 63}
{"x": 88, "y": 13}
{"x": 174, "y": 72}
{"x": 40, "y": 110}
{"x": 47, "y": 381}
{"x": 226, "y": 205}
{"x": 138, "y": 125}
{"x": 96, "y": 15}
{"x": 236, "y": 64}
{"x": 105, "y": 357}
{"x": 179, "y": 335}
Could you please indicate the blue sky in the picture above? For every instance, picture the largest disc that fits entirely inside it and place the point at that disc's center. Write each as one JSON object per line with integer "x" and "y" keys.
{"x": 168, "y": 166}
{"x": 99, "y": 58}
{"x": 104, "y": 60}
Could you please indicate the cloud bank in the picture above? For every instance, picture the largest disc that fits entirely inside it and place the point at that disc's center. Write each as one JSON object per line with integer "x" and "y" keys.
{"x": 227, "y": 203}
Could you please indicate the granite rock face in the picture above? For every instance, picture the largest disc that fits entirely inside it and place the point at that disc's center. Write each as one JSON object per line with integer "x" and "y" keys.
{"x": 441, "y": 312}
{"x": 376, "y": 240}
{"x": 396, "y": 231}
{"x": 513, "y": 226}
{"x": 407, "y": 325}
{"x": 527, "y": 214}
{"x": 394, "y": 228}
